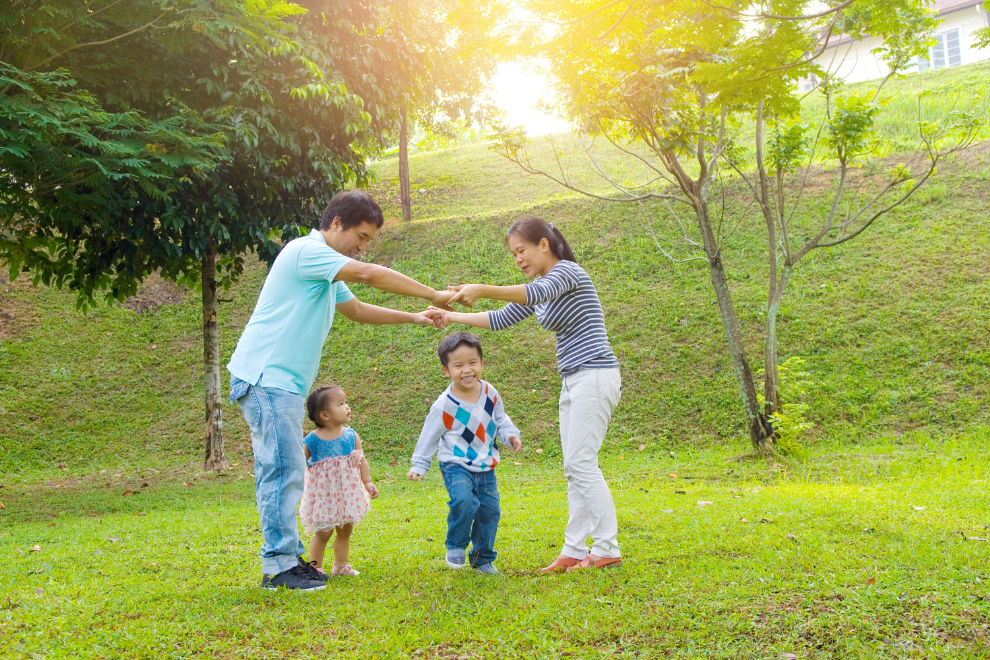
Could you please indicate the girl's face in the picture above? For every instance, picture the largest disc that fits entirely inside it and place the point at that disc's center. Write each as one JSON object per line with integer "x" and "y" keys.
{"x": 532, "y": 259}
{"x": 337, "y": 412}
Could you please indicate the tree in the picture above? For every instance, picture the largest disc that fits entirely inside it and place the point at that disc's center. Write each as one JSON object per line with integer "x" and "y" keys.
{"x": 670, "y": 84}
{"x": 449, "y": 65}
{"x": 290, "y": 123}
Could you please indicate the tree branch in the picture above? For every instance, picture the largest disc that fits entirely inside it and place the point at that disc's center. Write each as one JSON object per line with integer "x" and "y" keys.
{"x": 97, "y": 43}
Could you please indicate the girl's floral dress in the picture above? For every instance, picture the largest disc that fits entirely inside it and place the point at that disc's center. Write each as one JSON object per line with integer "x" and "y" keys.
{"x": 333, "y": 494}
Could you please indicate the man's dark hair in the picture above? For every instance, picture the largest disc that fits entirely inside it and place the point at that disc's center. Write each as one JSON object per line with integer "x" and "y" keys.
{"x": 353, "y": 207}
{"x": 317, "y": 400}
{"x": 455, "y": 339}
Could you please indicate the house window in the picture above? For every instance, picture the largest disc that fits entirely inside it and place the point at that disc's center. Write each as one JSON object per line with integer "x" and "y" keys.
{"x": 945, "y": 52}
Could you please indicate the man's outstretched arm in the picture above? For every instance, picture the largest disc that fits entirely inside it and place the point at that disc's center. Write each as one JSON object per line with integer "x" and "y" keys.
{"x": 391, "y": 281}
{"x": 360, "y": 312}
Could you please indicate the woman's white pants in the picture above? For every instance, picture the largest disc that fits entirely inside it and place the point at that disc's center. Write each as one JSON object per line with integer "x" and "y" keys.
{"x": 587, "y": 399}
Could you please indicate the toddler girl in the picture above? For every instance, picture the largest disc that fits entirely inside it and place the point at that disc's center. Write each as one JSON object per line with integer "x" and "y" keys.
{"x": 337, "y": 490}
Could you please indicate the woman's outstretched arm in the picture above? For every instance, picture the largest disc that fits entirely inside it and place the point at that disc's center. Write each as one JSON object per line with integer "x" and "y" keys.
{"x": 474, "y": 319}
{"x": 468, "y": 294}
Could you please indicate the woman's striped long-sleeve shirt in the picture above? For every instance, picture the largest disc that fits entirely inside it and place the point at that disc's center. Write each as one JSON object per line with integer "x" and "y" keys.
{"x": 565, "y": 301}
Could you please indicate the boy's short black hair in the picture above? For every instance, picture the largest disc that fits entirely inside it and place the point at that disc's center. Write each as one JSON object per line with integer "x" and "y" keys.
{"x": 455, "y": 339}
{"x": 316, "y": 402}
{"x": 353, "y": 207}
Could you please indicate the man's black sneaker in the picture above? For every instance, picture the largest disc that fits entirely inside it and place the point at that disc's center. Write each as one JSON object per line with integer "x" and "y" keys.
{"x": 296, "y": 578}
{"x": 313, "y": 572}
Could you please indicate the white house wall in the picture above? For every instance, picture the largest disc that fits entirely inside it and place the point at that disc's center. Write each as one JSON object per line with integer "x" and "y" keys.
{"x": 855, "y": 61}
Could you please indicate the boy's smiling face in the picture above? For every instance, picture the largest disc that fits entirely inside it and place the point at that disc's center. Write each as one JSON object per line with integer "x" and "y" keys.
{"x": 464, "y": 367}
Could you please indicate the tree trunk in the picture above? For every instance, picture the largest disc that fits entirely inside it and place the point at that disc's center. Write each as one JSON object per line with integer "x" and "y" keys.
{"x": 404, "y": 169}
{"x": 760, "y": 430}
{"x": 771, "y": 366}
{"x": 213, "y": 436}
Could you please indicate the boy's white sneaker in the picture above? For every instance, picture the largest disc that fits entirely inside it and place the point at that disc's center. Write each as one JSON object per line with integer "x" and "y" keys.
{"x": 456, "y": 559}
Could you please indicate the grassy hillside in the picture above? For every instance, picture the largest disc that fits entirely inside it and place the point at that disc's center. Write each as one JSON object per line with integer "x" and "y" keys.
{"x": 892, "y": 328}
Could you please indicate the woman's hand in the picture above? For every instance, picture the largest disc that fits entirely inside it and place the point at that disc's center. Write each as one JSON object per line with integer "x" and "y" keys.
{"x": 442, "y": 316}
{"x": 466, "y": 294}
{"x": 442, "y": 299}
{"x": 371, "y": 488}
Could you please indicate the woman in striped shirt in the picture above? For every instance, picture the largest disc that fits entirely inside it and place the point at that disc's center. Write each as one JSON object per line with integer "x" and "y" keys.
{"x": 565, "y": 301}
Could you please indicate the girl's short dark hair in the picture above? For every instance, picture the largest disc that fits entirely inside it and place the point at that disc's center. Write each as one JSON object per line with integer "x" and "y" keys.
{"x": 352, "y": 207}
{"x": 317, "y": 401}
{"x": 534, "y": 230}
{"x": 450, "y": 343}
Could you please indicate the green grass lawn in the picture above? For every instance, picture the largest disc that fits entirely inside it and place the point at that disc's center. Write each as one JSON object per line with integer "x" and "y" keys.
{"x": 875, "y": 554}
{"x": 861, "y": 550}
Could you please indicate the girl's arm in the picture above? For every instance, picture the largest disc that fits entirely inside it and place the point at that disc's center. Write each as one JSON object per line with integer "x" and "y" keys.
{"x": 308, "y": 454}
{"x": 365, "y": 469}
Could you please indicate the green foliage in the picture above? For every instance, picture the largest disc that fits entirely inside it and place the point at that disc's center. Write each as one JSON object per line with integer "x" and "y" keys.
{"x": 787, "y": 146}
{"x": 848, "y": 130}
{"x": 791, "y": 423}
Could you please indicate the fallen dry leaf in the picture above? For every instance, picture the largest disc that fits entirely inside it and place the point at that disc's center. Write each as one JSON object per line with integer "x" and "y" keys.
{"x": 61, "y": 466}
{"x": 621, "y": 457}
{"x": 704, "y": 503}
{"x": 394, "y": 461}
{"x": 743, "y": 520}
{"x": 185, "y": 484}
{"x": 671, "y": 453}
{"x": 641, "y": 447}
{"x": 539, "y": 451}
{"x": 766, "y": 520}
{"x": 36, "y": 548}
{"x": 793, "y": 537}
{"x": 680, "y": 492}
{"x": 919, "y": 508}
{"x": 39, "y": 591}
{"x": 140, "y": 513}
{"x": 673, "y": 475}
{"x": 112, "y": 539}
{"x": 426, "y": 400}
{"x": 871, "y": 580}
{"x": 516, "y": 463}
{"x": 2, "y": 506}
{"x": 127, "y": 492}
{"x": 788, "y": 656}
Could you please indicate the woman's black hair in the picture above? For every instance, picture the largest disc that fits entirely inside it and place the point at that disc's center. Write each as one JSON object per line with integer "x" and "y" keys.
{"x": 534, "y": 230}
{"x": 316, "y": 402}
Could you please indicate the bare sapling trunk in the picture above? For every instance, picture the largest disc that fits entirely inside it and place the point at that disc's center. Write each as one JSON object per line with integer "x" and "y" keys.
{"x": 760, "y": 430}
{"x": 405, "y": 193}
{"x": 213, "y": 435}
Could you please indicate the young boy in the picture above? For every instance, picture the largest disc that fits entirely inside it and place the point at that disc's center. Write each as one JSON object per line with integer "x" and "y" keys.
{"x": 466, "y": 422}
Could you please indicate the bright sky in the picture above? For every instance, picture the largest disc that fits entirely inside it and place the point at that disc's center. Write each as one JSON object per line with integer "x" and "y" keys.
{"x": 517, "y": 88}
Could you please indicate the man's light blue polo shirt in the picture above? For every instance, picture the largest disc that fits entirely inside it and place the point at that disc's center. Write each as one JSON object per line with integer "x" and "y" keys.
{"x": 283, "y": 341}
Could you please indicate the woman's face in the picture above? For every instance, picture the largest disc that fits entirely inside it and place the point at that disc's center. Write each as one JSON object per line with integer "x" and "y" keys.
{"x": 532, "y": 259}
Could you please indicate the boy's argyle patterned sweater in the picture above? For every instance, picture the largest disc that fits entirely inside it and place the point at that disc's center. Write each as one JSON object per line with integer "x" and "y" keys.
{"x": 466, "y": 433}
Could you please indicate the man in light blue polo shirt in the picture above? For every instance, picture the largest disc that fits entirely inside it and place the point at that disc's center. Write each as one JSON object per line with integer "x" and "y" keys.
{"x": 277, "y": 357}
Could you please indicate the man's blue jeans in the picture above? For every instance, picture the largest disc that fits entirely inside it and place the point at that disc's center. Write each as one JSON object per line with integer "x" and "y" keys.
{"x": 474, "y": 511}
{"x": 275, "y": 418}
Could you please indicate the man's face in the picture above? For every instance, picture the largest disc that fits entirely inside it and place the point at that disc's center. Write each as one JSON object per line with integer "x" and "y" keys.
{"x": 464, "y": 367}
{"x": 351, "y": 242}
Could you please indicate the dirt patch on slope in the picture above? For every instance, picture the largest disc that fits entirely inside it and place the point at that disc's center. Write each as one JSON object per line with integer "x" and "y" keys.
{"x": 154, "y": 293}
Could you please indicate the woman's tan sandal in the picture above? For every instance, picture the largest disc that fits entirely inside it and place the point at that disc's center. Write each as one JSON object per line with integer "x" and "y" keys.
{"x": 601, "y": 562}
{"x": 561, "y": 564}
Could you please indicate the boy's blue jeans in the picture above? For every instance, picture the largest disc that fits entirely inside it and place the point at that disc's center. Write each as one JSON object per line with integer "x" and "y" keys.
{"x": 275, "y": 417}
{"x": 474, "y": 511}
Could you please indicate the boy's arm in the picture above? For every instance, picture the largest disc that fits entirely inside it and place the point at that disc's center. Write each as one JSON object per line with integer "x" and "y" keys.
{"x": 506, "y": 429}
{"x": 426, "y": 446}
